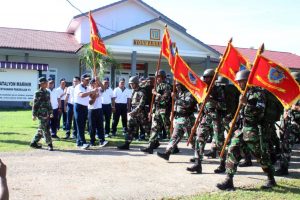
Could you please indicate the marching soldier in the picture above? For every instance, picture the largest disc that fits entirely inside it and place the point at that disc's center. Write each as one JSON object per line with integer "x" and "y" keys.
{"x": 248, "y": 135}
{"x": 161, "y": 111}
{"x": 290, "y": 122}
{"x": 138, "y": 114}
{"x": 211, "y": 122}
{"x": 184, "y": 108}
{"x": 42, "y": 110}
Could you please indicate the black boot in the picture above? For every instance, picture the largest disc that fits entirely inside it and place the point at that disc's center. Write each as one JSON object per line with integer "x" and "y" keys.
{"x": 282, "y": 171}
{"x": 175, "y": 150}
{"x": 212, "y": 153}
{"x": 156, "y": 144}
{"x": 247, "y": 162}
{"x": 165, "y": 155}
{"x": 35, "y": 145}
{"x": 193, "y": 159}
{"x": 221, "y": 168}
{"x": 270, "y": 182}
{"x": 124, "y": 146}
{"x": 227, "y": 184}
{"x": 197, "y": 167}
{"x": 67, "y": 136}
{"x": 149, "y": 149}
{"x": 50, "y": 147}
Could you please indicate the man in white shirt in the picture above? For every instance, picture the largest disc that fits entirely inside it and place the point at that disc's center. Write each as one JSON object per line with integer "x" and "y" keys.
{"x": 69, "y": 102}
{"x": 56, "y": 106}
{"x": 61, "y": 91}
{"x": 95, "y": 115}
{"x": 121, "y": 97}
{"x": 107, "y": 98}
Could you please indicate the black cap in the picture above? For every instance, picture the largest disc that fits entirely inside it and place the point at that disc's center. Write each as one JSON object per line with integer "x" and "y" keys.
{"x": 50, "y": 79}
{"x": 142, "y": 79}
{"x": 122, "y": 79}
{"x": 63, "y": 79}
{"x": 42, "y": 80}
{"x": 84, "y": 76}
{"x": 106, "y": 79}
{"x": 92, "y": 81}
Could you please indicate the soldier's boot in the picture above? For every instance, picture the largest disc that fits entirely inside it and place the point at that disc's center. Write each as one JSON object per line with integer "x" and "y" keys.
{"x": 227, "y": 184}
{"x": 148, "y": 149}
{"x": 50, "y": 147}
{"x": 156, "y": 144}
{"x": 193, "y": 159}
{"x": 212, "y": 153}
{"x": 35, "y": 145}
{"x": 221, "y": 168}
{"x": 124, "y": 146}
{"x": 270, "y": 182}
{"x": 197, "y": 167}
{"x": 247, "y": 162}
{"x": 282, "y": 171}
{"x": 175, "y": 150}
{"x": 165, "y": 155}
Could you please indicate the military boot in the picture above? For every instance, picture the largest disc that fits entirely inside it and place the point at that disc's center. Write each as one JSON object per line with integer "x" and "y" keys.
{"x": 124, "y": 146}
{"x": 165, "y": 155}
{"x": 50, "y": 147}
{"x": 270, "y": 182}
{"x": 197, "y": 167}
{"x": 212, "y": 153}
{"x": 247, "y": 162}
{"x": 282, "y": 171}
{"x": 148, "y": 149}
{"x": 156, "y": 144}
{"x": 35, "y": 145}
{"x": 227, "y": 184}
{"x": 221, "y": 168}
{"x": 193, "y": 159}
{"x": 175, "y": 150}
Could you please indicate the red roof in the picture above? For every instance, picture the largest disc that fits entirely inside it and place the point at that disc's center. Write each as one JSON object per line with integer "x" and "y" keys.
{"x": 284, "y": 58}
{"x": 38, "y": 40}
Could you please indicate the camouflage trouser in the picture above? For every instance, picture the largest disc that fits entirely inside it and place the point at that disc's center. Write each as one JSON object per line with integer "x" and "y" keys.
{"x": 134, "y": 122}
{"x": 210, "y": 122}
{"x": 160, "y": 120}
{"x": 254, "y": 146}
{"x": 43, "y": 130}
{"x": 182, "y": 125}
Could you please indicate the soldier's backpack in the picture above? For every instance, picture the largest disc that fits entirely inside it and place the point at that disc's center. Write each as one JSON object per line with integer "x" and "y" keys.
{"x": 273, "y": 109}
{"x": 232, "y": 98}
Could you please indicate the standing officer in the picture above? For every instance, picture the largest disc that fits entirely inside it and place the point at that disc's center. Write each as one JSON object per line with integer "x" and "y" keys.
{"x": 137, "y": 114}
{"x": 184, "y": 107}
{"x": 210, "y": 122}
{"x": 61, "y": 91}
{"x": 42, "y": 110}
{"x": 107, "y": 99}
{"x": 251, "y": 113}
{"x": 161, "y": 109}
{"x": 120, "y": 105}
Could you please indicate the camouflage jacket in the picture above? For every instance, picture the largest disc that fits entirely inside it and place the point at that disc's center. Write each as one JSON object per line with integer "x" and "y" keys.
{"x": 185, "y": 104}
{"x": 41, "y": 104}
{"x": 216, "y": 100}
{"x": 163, "y": 101}
{"x": 138, "y": 101}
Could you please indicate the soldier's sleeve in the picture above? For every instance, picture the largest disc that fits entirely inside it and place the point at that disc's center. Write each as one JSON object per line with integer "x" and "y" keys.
{"x": 35, "y": 105}
{"x": 140, "y": 107}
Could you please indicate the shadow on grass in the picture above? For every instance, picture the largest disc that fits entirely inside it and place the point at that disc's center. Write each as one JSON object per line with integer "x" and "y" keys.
{"x": 19, "y": 142}
{"x": 11, "y": 133}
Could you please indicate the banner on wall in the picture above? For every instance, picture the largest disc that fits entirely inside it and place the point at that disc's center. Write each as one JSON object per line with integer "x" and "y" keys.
{"x": 18, "y": 85}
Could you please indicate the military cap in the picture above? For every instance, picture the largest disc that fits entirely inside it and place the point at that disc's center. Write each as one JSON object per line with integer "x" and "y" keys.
{"x": 42, "y": 80}
{"x": 106, "y": 79}
{"x": 92, "y": 81}
{"x": 85, "y": 76}
{"x": 142, "y": 79}
{"x": 122, "y": 80}
{"x": 63, "y": 79}
{"x": 50, "y": 79}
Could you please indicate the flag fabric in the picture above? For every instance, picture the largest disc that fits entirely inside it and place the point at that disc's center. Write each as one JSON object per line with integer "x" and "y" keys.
{"x": 233, "y": 62}
{"x": 276, "y": 79}
{"x": 97, "y": 44}
{"x": 187, "y": 77}
{"x": 167, "y": 48}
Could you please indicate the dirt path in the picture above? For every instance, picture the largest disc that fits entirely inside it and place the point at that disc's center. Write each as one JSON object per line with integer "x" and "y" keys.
{"x": 111, "y": 174}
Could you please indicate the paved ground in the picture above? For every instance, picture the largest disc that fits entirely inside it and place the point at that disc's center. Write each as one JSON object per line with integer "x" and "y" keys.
{"x": 111, "y": 174}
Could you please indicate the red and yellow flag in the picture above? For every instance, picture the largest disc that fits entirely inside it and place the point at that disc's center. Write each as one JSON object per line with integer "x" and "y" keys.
{"x": 187, "y": 77}
{"x": 97, "y": 44}
{"x": 276, "y": 79}
{"x": 167, "y": 48}
{"x": 233, "y": 62}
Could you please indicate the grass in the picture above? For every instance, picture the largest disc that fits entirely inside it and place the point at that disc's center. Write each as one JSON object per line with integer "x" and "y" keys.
{"x": 17, "y": 130}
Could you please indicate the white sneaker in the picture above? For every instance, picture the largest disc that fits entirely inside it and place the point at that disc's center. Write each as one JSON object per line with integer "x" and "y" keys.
{"x": 85, "y": 146}
{"x": 103, "y": 144}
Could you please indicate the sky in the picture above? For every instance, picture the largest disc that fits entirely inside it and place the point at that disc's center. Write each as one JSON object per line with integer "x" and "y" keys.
{"x": 276, "y": 23}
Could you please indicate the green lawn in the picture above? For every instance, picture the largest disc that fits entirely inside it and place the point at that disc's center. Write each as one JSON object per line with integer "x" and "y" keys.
{"x": 17, "y": 130}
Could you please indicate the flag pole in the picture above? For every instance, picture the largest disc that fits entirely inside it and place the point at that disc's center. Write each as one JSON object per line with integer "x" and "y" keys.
{"x": 212, "y": 83}
{"x": 259, "y": 51}
{"x": 173, "y": 98}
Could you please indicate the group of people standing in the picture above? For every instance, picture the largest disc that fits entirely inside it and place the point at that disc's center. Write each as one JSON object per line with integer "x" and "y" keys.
{"x": 254, "y": 133}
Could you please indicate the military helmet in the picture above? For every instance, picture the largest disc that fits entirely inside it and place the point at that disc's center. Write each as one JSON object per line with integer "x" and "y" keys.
{"x": 296, "y": 76}
{"x": 134, "y": 79}
{"x": 161, "y": 73}
{"x": 242, "y": 75}
{"x": 222, "y": 80}
{"x": 209, "y": 73}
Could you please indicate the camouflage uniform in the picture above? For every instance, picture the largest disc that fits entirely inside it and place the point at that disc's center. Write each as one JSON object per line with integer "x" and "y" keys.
{"x": 249, "y": 134}
{"x": 161, "y": 110}
{"x": 42, "y": 110}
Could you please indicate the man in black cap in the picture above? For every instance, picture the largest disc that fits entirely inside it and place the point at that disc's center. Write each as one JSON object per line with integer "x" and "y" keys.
{"x": 42, "y": 110}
